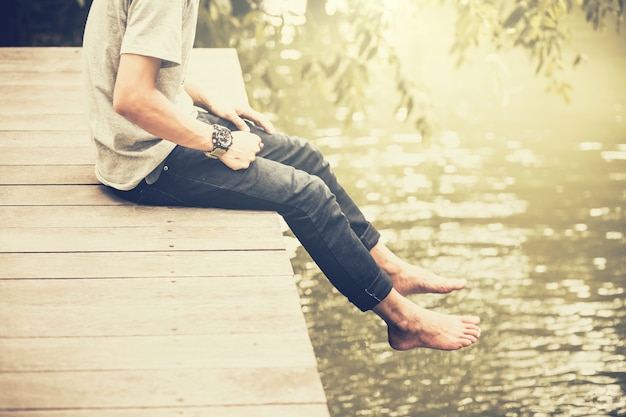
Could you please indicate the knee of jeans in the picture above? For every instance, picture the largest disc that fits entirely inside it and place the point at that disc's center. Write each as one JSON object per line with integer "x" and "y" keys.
{"x": 313, "y": 150}
{"x": 313, "y": 201}
{"x": 313, "y": 193}
{"x": 315, "y": 158}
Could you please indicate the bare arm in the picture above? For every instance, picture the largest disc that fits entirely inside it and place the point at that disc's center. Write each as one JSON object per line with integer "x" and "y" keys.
{"x": 136, "y": 98}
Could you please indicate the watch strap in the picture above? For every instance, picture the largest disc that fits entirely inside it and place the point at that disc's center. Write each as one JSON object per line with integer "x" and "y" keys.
{"x": 215, "y": 153}
{"x": 222, "y": 139}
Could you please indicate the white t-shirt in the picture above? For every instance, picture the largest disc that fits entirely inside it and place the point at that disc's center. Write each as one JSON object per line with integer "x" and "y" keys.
{"x": 164, "y": 29}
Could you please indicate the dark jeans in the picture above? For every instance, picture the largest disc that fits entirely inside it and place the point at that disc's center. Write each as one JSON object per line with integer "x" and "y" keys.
{"x": 291, "y": 177}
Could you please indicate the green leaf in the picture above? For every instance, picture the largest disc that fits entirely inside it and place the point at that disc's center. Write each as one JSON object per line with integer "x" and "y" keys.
{"x": 372, "y": 53}
{"x": 514, "y": 17}
{"x": 365, "y": 43}
{"x": 332, "y": 68}
{"x": 410, "y": 105}
{"x": 306, "y": 69}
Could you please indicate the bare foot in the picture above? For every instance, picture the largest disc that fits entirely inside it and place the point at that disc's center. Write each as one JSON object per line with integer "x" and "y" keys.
{"x": 411, "y": 279}
{"x": 435, "y": 331}
{"x": 411, "y": 326}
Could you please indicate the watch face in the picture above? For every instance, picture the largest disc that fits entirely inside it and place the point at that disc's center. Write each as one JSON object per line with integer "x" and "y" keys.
{"x": 222, "y": 138}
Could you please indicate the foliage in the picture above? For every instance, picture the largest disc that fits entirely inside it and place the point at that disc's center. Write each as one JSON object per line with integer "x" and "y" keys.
{"x": 339, "y": 71}
{"x": 244, "y": 26}
{"x": 337, "y": 47}
{"x": 355, "y": 40}
{"x": 539, "y": 27}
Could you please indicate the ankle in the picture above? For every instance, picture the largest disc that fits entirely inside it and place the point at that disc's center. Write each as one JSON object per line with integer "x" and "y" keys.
{"x": 394, "y": 309}
{"x": 385, "y": 259}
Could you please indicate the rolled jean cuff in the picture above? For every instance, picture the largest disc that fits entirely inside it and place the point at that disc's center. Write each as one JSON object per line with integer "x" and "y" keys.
{"x": 370, "y": 237}
{"x": 380, "y": 288}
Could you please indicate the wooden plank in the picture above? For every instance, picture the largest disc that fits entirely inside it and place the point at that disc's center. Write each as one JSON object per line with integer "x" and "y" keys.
{"x": 35, "y": 100}
{"x": 262, "y": 410}
{"x": 151, "y": 291}
{"x": 162, "y": 388}
{"x": 47, "y": 175}
{"x": 112, "y": 309}
{"x": 69, "y": 59}
{"x": 81, "y": 155}
{"x": 129, "y": 216}
{"x": 227, "y": 81}
{"x": 143, "y": 264}
{"x": 47, "y": 60}
{"x": 56, "y": 80}
{"x": 40, "y": 99}
{"x": 10, "y": 139}
{"x": 140, "y": 239}
{"x": 241, "y": 314}
{"x": 43, "y": 92}
{"x": 44, "y": 122}
{"x": 227, "y": 350}
{"x": 58, "y": 195}
{"x": 149, "y": 307}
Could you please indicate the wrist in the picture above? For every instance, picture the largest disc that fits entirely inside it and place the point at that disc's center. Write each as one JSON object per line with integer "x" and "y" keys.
{"x": 222, "y": 139}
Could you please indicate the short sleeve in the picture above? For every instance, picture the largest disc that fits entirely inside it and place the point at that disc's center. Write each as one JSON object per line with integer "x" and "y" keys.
{"x": 154, "y": 28}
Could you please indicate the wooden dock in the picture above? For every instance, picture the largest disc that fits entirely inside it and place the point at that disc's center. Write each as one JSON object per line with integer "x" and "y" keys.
{"x": 111, "y": 309}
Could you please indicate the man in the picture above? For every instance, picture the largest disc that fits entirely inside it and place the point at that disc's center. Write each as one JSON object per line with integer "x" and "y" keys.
{"x": 154, "y": 148}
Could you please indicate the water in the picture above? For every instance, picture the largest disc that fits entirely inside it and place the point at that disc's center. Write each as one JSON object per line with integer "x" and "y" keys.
{"x": 522, "y": 195}
{"x": 544, "y": 252}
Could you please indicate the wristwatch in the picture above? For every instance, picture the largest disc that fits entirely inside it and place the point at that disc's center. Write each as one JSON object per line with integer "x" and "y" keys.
{"x": 222, "y": 139}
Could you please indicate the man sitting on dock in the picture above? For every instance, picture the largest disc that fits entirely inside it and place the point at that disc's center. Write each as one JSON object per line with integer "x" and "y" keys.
{"x": 155, "y": 148}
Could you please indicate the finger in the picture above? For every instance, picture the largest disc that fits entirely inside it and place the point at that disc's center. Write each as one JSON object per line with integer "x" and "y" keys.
{"x": 266, "y": 125}
{"x": 240, "y": 124}
{"x": 259, "y": 119}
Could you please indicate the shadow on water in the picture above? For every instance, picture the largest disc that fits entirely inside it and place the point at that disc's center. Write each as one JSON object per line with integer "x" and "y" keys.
{"x": 526, "y": 200}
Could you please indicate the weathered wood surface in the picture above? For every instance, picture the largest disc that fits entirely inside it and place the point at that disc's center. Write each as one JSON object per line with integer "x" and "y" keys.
{"x": 108, "y": 309}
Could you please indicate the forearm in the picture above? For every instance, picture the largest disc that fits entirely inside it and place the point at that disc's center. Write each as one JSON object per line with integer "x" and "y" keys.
{"x": 197, "y": 94}
{"x": 136, "y": 97}
{"x": 154, "y": 113}
{"x": 228, "y": 108}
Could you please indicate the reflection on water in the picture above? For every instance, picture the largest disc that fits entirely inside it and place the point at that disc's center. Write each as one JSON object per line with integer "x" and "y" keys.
{"x": 545, "y": 256}
{"x": 528, "y": 203}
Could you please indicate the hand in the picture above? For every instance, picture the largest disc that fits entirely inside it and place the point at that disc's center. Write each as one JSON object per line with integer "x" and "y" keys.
{"x": 236, "y": 113}
{"x": 242, "y": 151}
